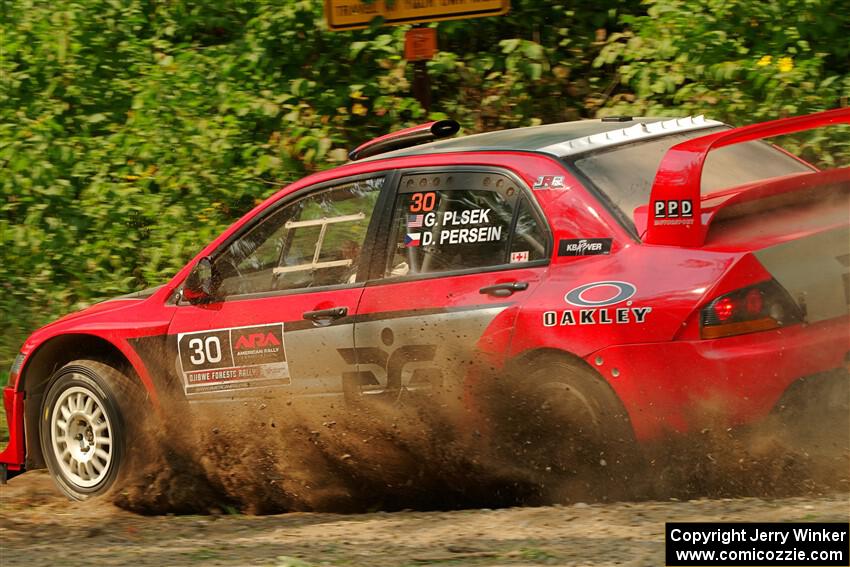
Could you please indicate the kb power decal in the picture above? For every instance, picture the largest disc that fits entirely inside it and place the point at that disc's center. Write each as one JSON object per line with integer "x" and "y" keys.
{"x": 584, "y": 246}
{"x": 597, "y": 301}
{"x": 226, "y": 359}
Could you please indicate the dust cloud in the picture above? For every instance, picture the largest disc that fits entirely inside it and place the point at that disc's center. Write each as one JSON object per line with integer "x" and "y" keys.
{"x": 263, "y": 457}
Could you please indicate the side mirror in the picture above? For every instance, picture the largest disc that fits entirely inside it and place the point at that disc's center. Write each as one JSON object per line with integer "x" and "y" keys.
{"x": 201, "y": 286}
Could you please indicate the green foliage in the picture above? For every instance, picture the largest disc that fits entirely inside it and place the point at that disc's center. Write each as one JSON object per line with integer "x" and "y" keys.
{"x": 132, "y": 132}
{"x": 740, "y": 61}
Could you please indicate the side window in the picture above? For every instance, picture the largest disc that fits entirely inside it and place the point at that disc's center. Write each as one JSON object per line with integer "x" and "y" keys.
{"x": 529, "y": 239}
{"x": 454, "y": 221}
{"x": 314, "y": 241}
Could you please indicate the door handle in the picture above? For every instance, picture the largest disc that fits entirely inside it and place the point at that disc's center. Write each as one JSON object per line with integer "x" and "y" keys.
{"x": 503, "y": 289}
{"x": 325, "y": 316}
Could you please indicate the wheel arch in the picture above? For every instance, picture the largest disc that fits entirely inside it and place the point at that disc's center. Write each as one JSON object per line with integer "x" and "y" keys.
{"x": 40, "y": 367}
{"x": 529, "y": 359}
{"x": 537, "y": 356}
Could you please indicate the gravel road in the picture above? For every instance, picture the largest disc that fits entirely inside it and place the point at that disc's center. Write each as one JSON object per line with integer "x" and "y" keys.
{"x": 39, "y": 527}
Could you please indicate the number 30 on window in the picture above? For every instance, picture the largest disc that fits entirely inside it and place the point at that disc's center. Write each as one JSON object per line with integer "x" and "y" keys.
{"x": 422, "y": 202}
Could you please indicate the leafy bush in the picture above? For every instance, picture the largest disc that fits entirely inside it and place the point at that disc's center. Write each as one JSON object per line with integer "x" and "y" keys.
{"x": 133, "y": 132}
{"x": 738, "y": 61}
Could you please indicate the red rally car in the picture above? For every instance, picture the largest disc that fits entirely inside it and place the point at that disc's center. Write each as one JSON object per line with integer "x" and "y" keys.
{"x": 653, "y": 266}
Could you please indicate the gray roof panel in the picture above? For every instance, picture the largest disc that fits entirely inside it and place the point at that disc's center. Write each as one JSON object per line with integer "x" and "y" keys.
{"x": 549, "y": 138}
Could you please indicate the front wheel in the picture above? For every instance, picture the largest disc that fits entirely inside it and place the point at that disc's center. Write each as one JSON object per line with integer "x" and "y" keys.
{"x": 82, "y": 427}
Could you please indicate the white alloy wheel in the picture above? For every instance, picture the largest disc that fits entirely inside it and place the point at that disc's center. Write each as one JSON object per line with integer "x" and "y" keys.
{"x": 85, "y": 412}
{"x": 81, "y": 436}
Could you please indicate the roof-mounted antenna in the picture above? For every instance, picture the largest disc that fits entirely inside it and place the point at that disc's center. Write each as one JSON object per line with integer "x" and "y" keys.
{"x": 406, "y": 138}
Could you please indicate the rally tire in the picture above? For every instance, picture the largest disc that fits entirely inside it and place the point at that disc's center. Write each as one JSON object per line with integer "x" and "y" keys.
{"x": 572, "y": 429}
{"x": 578, "y": 399}
{"x": 83, "y": 427}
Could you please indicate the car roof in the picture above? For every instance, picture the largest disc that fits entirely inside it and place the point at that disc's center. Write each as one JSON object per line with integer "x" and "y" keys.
{"x": 560, "y": 139}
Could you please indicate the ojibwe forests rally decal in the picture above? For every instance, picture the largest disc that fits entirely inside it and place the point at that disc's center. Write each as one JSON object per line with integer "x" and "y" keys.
{"x": 241, "y": 357}
{"x": 452, "y": 227}
{"x": 599, "y": 303}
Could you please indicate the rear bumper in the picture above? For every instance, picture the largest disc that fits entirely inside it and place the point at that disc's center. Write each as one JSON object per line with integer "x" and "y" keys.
{"x": 13, "y": 455}
{"x": 682, "y": 385}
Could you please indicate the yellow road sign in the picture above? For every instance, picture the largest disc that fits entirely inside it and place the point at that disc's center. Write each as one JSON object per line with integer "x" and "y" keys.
{"x": 353, "y": 14}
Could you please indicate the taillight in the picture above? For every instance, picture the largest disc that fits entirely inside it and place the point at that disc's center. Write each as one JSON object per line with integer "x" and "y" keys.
{"x": 756, "y": 308}
{"x": 724, "y": 309}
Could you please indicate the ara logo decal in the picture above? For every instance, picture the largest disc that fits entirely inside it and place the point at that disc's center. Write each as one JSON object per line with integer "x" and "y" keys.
{"x": 595, "y": 298}
{"x": 390, "y": 362}
{"x": 260, "y": 345}
{"x": 549, "y": 182}
{"x": 256, "y": 340}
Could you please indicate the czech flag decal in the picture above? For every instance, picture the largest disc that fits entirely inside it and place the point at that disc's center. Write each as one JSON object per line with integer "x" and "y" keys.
{"x": 412, "y": 239}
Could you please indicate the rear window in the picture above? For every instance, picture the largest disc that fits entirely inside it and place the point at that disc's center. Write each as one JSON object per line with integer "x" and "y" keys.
{"x": 625, "y": 174}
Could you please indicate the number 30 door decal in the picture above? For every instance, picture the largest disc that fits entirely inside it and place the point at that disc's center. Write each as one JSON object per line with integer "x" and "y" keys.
{"x": 225, "y": 359}
{"x": 205, "y": 350}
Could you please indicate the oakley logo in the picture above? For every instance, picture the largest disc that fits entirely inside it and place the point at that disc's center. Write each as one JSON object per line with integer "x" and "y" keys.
{"x": 600, "y": 294}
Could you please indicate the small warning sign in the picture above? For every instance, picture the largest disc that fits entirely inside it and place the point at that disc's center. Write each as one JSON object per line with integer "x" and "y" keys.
{"x": 353, "y": 14}
{"x": 420, "y": 44}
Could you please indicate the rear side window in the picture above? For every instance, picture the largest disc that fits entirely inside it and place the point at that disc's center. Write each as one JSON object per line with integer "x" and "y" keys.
{"x": 625, "y": 173}
{"x": 444, "y": 222}
{"x": 529, "y": 239}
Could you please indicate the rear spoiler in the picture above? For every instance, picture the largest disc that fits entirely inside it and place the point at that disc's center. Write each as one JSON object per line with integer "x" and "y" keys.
{"x": 676, "y": 213}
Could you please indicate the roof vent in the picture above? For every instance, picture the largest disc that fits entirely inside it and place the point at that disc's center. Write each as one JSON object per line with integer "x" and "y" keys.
{"x": 640, "y": 130}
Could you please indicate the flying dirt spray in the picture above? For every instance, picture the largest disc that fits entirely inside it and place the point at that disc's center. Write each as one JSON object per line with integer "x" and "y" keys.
{"x": 268, "y": 457}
